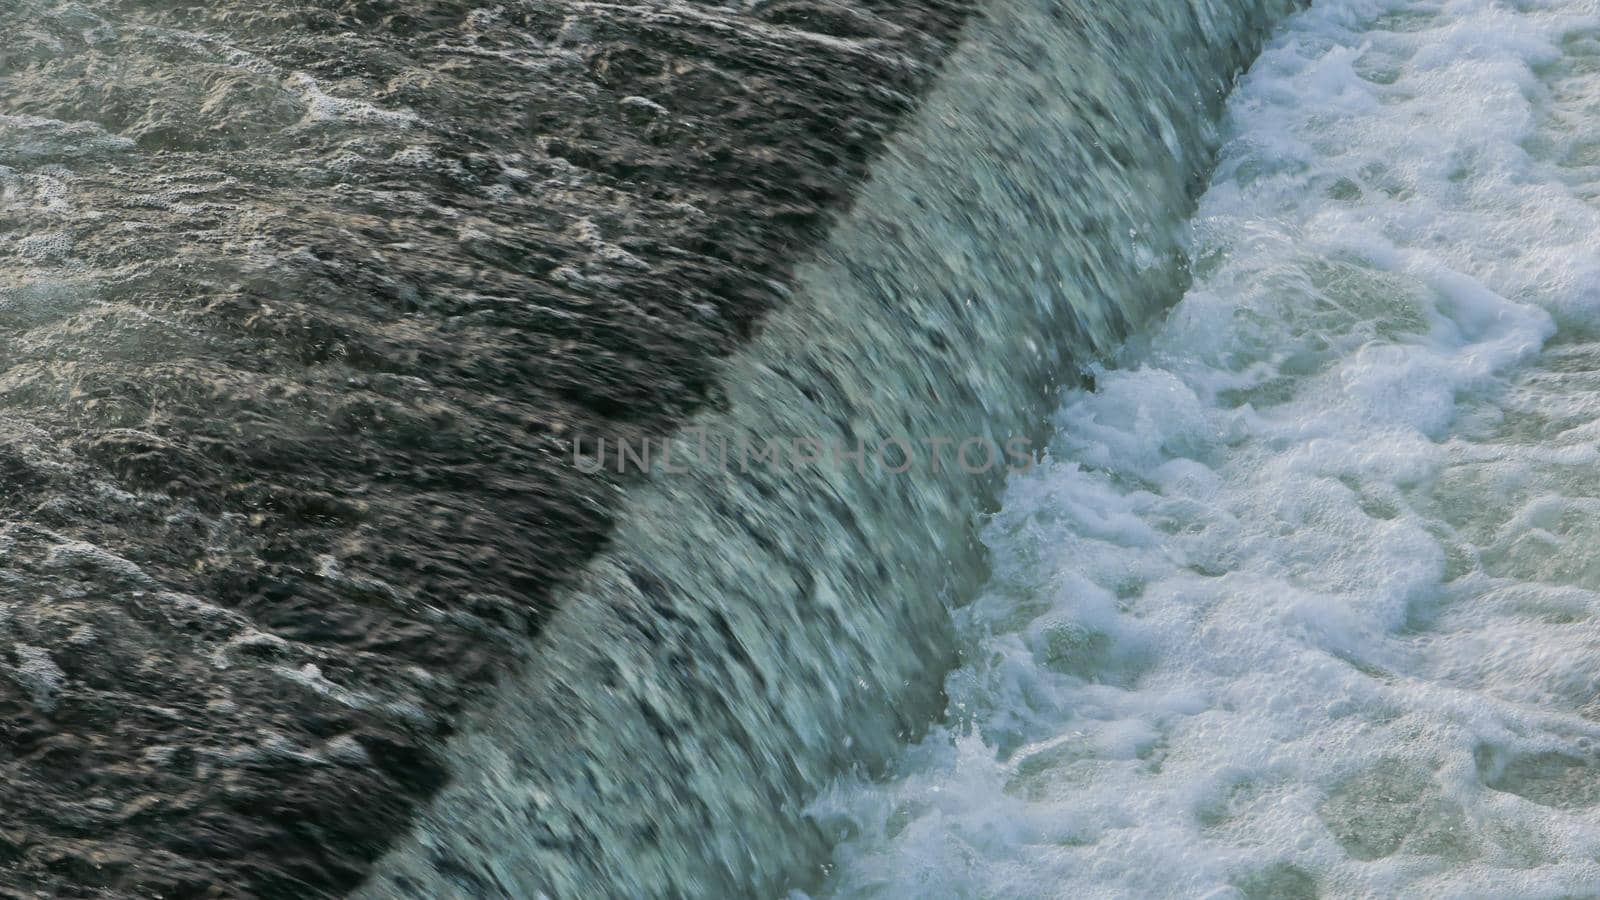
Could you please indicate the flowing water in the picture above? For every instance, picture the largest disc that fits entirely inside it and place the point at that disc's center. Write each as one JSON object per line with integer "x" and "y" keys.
{"x": 754, "y": 633}
{"x": 1305, "y": 600}
{"x": 1302, "y": 600}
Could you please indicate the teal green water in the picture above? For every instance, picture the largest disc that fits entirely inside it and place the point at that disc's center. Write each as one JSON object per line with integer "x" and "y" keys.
{"x": 750, "y": 636}
{"x": 1305, "y": 602}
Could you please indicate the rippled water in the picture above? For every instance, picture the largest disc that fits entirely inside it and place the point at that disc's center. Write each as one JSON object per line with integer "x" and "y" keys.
{"x": 1305, "y": 601}
{"x": 752, "y": 634}
{"x": 302, "y": 303}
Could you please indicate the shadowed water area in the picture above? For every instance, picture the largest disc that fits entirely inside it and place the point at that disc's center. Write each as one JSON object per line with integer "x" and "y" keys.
{"x": 301, "y": 307}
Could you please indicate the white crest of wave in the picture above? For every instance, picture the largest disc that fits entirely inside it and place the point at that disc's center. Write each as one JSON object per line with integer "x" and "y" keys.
{"x": 1305, "y": 600}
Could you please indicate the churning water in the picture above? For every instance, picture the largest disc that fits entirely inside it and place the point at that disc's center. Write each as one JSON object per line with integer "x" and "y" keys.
{"x": 1304, "y": 602}
{"x": 755, "y": 633}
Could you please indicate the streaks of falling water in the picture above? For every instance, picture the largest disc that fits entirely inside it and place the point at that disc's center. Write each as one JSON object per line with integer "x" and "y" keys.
{"x": 752, "y": 634}
{"x": 1305, "y": 602}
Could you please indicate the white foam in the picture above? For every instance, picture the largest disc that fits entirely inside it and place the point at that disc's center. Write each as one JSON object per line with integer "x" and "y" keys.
{"x": 322, "y": 107}
{"x": 29, "y": 138}
{"x": 1305, "y": 598}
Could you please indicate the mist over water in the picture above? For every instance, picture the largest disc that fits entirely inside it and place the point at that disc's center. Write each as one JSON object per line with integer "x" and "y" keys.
{"x": 1304, "y": 601}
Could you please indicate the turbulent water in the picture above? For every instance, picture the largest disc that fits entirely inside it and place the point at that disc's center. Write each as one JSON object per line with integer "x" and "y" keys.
{"x": 754, "y": 633}
{"x": 303, "y": 304}
{"x": 1302, "y": 600}
{"x": 1305, "y": 601}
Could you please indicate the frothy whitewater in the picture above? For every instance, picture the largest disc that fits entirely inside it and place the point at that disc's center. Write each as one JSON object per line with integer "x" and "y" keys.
{"x": 750, "y": 634}
{"x": 1305, "y": 600}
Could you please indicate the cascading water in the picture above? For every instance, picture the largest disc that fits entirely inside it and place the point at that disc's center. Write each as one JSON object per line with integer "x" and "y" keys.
{"x": 1304, "y": 602}
{"x": 752, "y": 634}
{"x": 303, "y": 300}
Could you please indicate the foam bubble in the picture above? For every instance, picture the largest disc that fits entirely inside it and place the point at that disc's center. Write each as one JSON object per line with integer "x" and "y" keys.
{"x": 1305, "y": 599}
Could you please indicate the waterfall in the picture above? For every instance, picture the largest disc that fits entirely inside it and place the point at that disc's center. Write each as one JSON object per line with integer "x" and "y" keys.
{"x": 757, "y": 628}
